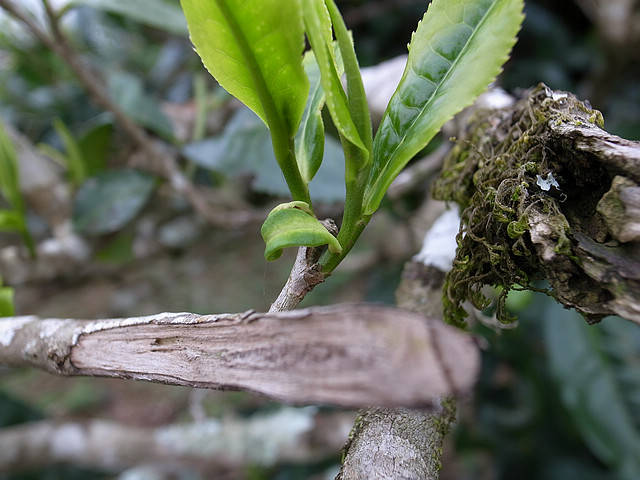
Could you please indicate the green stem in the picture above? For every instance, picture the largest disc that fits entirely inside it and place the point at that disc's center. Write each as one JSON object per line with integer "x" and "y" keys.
{"x": 353, "y": 221}
{"x": 284, "y": 150}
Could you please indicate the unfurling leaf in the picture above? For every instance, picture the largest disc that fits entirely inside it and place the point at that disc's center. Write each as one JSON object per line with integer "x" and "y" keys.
{"x": 294, "y": 225}
{"x": 457, "y": 50}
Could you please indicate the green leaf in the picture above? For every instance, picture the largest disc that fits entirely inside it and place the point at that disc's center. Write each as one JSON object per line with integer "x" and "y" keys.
{"x": 456, "y": 52}
{"x": 319, "y": 31}
{"x": 294, "y": 225}
{"x": 11, "y": 221}
{"x": 358, "y": 106}
{"x": 105, "y": 203}
{"x": 161, "y": 14}
{"x": 6, "y": 302}
{"x": 14, "y": 219}
{"x": 73, "y": 158}
{"x": 254, "y": 50}
{"x": 596, "y": 370}
{"x": 309, "y": 140}
{"x": 128, "y": 92}
{"x": 94, "y": 145}
{"x": 9, "y": 180}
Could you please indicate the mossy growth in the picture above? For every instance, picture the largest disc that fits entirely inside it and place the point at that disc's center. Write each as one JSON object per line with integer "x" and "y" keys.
{"x": 504, "y": 176}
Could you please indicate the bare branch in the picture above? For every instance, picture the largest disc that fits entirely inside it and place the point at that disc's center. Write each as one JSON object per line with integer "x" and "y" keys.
{"x": 413, "y": 439}
{"x": 211, "y": 445}
{"x": 352, "y": 355}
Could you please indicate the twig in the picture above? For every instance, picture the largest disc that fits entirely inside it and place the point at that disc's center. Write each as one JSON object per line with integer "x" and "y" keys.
{"x": 352, "y": 355}
{"x": 305, "y": 275}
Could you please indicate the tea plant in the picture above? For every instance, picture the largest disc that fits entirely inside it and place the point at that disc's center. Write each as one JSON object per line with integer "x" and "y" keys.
{"x": 255, "y": 50}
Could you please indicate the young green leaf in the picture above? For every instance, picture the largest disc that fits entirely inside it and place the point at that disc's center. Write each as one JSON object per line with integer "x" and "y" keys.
{"x": 254, "y": 50}
{"x": 317, "y": 23}
{"x": 294, "y": 225}
{"x": 358, "y": 106}
{"x": 456, "y": 52}
{"x": 309, "y": 140}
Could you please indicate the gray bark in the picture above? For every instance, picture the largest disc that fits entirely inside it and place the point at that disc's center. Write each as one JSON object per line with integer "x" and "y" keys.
{"x": 571, "y": 190}
{"x": 388, "y": 443}
{"x": 352, "y": 355}
{"x": 288, "y": 435}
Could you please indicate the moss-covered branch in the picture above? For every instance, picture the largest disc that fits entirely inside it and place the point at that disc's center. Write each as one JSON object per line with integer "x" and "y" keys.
{"x": 546, "y": 194}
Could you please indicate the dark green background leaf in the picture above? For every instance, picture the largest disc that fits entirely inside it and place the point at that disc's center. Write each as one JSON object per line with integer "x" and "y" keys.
{"x": 245, "y": 148}
{"x": 597, "y": 369}
{"x": 161, "y": 14}
{"x": 128, "y": 92}
{"x": 105, "y": 203}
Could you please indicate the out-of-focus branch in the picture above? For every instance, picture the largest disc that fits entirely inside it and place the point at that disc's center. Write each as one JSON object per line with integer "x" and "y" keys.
{"x": 211, "y": 446}
{"x": 352, "y": 355}
{"x": 617, "y": 20}
{"x": 59, "y": 44}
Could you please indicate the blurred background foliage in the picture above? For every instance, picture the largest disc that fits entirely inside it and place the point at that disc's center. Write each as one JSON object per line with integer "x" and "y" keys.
{"x": 556, "y": 399}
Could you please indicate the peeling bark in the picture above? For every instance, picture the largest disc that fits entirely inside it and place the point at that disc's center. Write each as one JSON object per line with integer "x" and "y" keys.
{"x": 351, "y": 355}
{"x": 546, "y": 193}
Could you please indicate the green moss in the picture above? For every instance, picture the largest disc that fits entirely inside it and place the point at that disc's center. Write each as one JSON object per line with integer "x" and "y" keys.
{"x": 491, "y": 173}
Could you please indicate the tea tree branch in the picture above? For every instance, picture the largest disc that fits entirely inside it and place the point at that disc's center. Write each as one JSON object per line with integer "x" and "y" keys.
{"x": 350, "y": 355}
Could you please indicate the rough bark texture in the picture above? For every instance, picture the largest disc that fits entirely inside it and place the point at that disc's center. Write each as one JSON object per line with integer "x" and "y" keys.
{"x": 402, "y": 443}
{"x": 398, "y": 444}
{"x": 288, "y": 435}
{"x": 352, "y": 355}
{"x": 545, "y": 193}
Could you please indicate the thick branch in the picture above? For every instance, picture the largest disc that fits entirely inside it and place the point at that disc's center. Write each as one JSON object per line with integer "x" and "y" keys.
{"x": 346, "y": 355}
{"x": 546, "y": 193}
{"x": 212, "y": 445}
{"x": 401, "y": 443}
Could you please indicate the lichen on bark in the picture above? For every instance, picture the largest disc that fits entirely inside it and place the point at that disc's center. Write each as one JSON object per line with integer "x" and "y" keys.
{"x": 528, "y": 189}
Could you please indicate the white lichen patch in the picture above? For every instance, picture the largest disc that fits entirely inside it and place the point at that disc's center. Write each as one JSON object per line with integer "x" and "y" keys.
{"x": 548, "y": 182}
{"x": 9, "y": 327}
{"x": 110, "y": 323}
{"x": 48, "y": 328}
{"x": 439, "y": 245}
